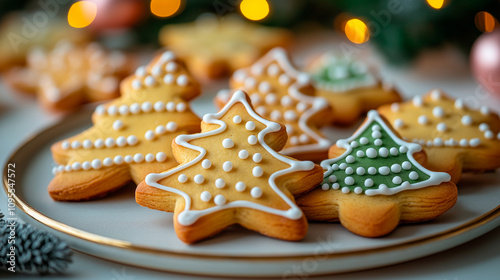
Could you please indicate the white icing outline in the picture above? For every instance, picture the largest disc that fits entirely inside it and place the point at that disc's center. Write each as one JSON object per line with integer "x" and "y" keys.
{"x": 188, "y": 216}
{"x": 436, "y": 178}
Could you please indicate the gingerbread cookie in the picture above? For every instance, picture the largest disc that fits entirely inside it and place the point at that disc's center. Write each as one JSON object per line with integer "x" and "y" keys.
{"x": 131, "y": 136}
{"x": 215, "y": 47}
{"x": 374, "y": 181}
{"x": 231, "y": 173}
{"x": 19, "y": 35}
{"x": 457, "y": 138}
{"x": 350, "y": 87}
{"x": 283, "y": 94}
{"x": 70, "y": 75}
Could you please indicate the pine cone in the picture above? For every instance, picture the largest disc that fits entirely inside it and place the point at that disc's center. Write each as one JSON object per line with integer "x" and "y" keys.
{"x": 36, "y": 250}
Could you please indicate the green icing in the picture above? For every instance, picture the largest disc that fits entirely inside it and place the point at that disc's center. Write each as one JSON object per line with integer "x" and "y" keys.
{"x": 377, "y": 162}
{"x": 337, "y": 71}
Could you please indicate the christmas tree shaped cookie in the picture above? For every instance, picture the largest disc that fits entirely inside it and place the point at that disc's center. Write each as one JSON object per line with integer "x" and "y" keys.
{"x": 374, "y": 181}
{"x": 215, "y": 47}
{"x": 230, "y": 173}
{"x": 131, "y": 136}
{"x": 281, "y": 93}
{"x": 70, "y": 75}
{"x": 456, "y": 137}
{"x": 350, "y": 87}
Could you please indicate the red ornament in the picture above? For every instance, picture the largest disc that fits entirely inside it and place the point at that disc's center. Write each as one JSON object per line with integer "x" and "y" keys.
{"x": 117, "y": 14}
{"x": 485, "y": 61}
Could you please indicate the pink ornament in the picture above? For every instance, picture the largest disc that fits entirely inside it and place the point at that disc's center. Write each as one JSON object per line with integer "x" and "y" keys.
{"x": 485, "y": 61}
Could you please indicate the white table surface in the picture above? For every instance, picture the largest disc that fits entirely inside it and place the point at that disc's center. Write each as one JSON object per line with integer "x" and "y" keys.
{"x": 21, "y": 116}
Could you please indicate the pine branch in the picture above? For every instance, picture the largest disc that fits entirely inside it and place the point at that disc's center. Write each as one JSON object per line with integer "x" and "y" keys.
{"x": 35, "y": 250}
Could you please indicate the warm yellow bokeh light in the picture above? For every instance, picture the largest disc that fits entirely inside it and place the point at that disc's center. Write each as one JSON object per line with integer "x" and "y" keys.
{"x": 436, "y": 4}
{"x": 254, "y": 9}
{"x": 485, "y": 22}
{"x": 356, "y": 31}
{"x": 81, "y": 14}
{"x": 165, "y": 8}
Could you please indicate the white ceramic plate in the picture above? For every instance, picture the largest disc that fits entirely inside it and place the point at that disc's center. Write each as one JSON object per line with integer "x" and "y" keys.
{"x": 118, "y": 229}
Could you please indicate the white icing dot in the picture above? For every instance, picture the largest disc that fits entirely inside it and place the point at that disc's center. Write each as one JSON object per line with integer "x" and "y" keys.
{"x": 396, "y": 168}
{"x": 181, "y": 107}
{"x": 123, "y": 110}
{"x": 438, "y": 112}
{"x": 237, "y": 119}
{"x": 171, "y": 126}
{"x": 257, "y": 171}
{"x": 87, "y": 144}
{"x": 273, "y": 70}
{"x": 255, "y": 99}
{"x": 332, "y": 178}
{"x": 206, "y": 164}
{"x": 128, "y": 159}
{"x": 345, "y": 190}
{"x": 384, "y": 170}
{"x": 135, "y": 108}
{"x": 413, "y": 175}
{"x": 335, "y": 186}
{"x": 378, "y": 142}
{"x": 363, "y": 141}
{"x": 250, "y": 83}
{"x": 423, "y": 120}
{"x": 256, "y": 192}
{"x": 99, "y": 143}
{"x": 301, "y": 107}
{"x": 438, "y": 142}
{"x": 261, "y": 110}
{"x": 76, "y": 144}
{"x": 227, "y": 143}
{"x": 350, "y": 159}
{"x": 240, "y": 186}
{"x": 294, "y": 140}
{"x": 227, "y": 166}
{"x": 397, "y": 180}
{"x": 107, "y": 161}
{"x": 290, "y": 116}
{"x": 371, "y": 153}
{"x": 182, "y": 80}
{"x": 435, "y": 95}
{"x": 372, "y": 170}
{"x": 395, "y": 107}
{"x": 250, "y": 126}
{"x": 265, "y": 87}
{"x": 354, "y": 144}
{"x": 199, "y": 179}
{"x": 484, "y": 110}
{"x": 406, "y": 165}
{"x": 399, "y": 123}
{"x": 257, "y": 157}
{"x": 360, "y": 171}
{"x": 160, "y": 130}
{"x": 383, "y": 152}
{"x": 67, "y": 168}
{"x": 325, "y": 187}
{"x": 335, "y": 167}
{"x": 243, "y": 154}
{"x": 376, "y": 134}
{"x": 360, "y": 154}
{"x": 118, "y": 159}
{"x": 475, "y": 142}
{"x": 182, "y": 178}
{"x": 117, "y": 125}
{"x": 349, "y": 181}
{"x": 403, "y": 149}
{"x": 96, "y": 164}
{"x": 376, "y": 127}
{"x": 100, "y": 110}
{"x": 252, "y": 140}
{"x": 489, "y": 134}
{"x": 149, "y": 157}
{"x": 159, "y": 106}
{"x": 466, "y": 120}
{"x": 149, "y": 81}
{"x": 284, "y": 79}
{"x": 86, "y": 165}
{"x": 170, "y": 106}
{"x": 383, "y": 187}
{"x": 459, "y": 103}
{"x": 149, "y": 135}
{"x": 343, "y": 166}
{"x": 146, "y": 107}
{"x": 76, "y": 166}
{"x": 168, "y": 79}
{"x": 418, "y": 101}
{"x": 136, "y": 84}
{"x": 463, "y": 142}
{"x": 171, "y": 66}
{"x": 65, "y": 145}
{"x": 275, "y": 115}
{"x": 304, "y": 138}
{"x": 220, "y": 199}
{"x": 394, "y": 151}
{"x": 161, "y": 156}
{"x": 483, "y": 127}
{"x": 205, "y": 196}
{"x": 220, "y": 183}
{"x": 271, "y": 98}
{"x": 112, "y": 110}
{"x": 138, "y": 157}
{"x": 286, "y": 101}
{"x": 109, "y": 142}
{"x": 349, "y": 171}
{"x": 60, "y": 168}
{"x": 358, "y": 190}
{"x": 441, "y": 127}
{"x": 132, "y": 140}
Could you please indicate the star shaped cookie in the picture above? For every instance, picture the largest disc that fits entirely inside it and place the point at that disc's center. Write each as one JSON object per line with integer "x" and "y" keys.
{"x": 215, "y": 47}
{"x": 281, "y": 93}
{"x": 70, "y": 75}
{"x": 456, "y": 137}
{"x": 375, "y": 181}
{"x": 131, "y": 136}
{"x": 350, "y": 87}
{"x": 231, "y": 173}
